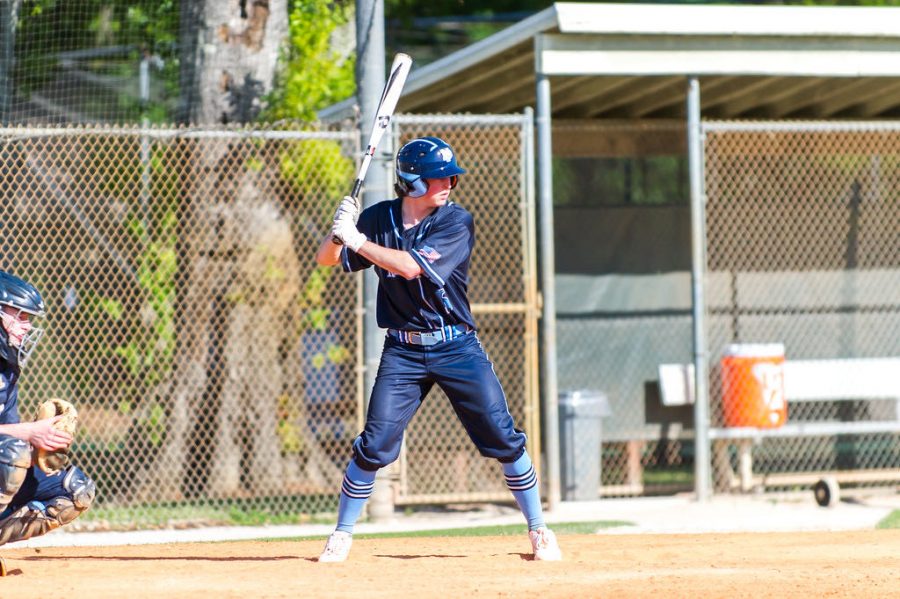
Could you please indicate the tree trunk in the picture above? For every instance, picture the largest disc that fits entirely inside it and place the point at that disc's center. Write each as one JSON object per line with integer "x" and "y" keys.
{"x": 230, "y": 51}
{"x": 265, "y": 285}
{"x": 9, "y": 11}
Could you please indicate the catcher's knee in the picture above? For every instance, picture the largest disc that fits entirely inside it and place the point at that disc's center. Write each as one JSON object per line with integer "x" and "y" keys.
{"x": 81, "y": 490}
{"x": 15, "y": 459}
{"x": 59, "y": 511}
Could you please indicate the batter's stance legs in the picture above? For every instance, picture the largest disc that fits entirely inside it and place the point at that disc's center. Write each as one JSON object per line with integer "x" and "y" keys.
{"x": 521, "y": 480}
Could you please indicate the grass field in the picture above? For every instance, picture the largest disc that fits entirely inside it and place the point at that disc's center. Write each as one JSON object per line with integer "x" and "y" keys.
{"x": 892, "y": 521}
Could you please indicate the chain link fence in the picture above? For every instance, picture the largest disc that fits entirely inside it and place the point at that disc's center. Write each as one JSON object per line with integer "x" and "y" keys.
{"x": 803, "y": 231}
{"x": 622, "y": 232}
{"x": 802, "y": 242}
{"x": 216, "y": 368}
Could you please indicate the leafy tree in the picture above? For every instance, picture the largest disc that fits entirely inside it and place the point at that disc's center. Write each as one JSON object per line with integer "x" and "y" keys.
{"x": 315, "y": 72}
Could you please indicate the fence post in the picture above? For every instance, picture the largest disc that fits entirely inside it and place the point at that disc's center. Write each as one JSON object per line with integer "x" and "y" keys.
{"x": 370, "y": 81}
{"x": 548, "y": 285}
{"x": 698, "y": 272}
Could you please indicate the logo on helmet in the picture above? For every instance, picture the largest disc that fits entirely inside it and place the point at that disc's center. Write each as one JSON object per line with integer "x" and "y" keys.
{"x": 445, "y": 154}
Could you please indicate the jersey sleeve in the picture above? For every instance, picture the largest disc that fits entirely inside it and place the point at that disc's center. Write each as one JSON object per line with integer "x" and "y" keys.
{"x": 446, "y": 246}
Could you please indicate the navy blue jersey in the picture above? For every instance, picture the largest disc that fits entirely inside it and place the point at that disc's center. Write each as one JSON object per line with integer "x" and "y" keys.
{"x": 442, "y": 245}
{"x": 9, "y": 395}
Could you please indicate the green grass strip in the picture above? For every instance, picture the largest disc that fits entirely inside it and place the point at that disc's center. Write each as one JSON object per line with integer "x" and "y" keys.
{"x": 560, "y": 528}
{"x": 892, "y": 520}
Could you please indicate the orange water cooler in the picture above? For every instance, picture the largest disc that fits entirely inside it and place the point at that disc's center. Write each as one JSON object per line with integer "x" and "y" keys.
{"x": 753, "y": 385}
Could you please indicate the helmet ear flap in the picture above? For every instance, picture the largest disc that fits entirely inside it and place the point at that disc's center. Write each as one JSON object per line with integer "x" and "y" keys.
{"x": 414, "y": 189}
{"x": 417, "y": 188}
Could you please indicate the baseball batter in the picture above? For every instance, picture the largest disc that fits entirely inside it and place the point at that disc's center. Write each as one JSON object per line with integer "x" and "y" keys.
{"x": 420, "y": 244}
{"x": 32, "y": 502}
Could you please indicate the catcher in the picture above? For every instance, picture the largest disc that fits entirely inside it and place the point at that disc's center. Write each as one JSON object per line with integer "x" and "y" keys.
{"x": 39, "y": 489}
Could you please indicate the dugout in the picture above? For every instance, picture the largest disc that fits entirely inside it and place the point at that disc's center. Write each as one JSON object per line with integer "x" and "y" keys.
{"x": 619, "y": 92}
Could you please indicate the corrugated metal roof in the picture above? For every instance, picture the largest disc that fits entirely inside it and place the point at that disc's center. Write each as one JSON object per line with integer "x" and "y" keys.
{"x": 623, "y": 61}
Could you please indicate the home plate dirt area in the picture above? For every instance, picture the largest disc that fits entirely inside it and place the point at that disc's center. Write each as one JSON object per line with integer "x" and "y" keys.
{"x": 809, "y": 564}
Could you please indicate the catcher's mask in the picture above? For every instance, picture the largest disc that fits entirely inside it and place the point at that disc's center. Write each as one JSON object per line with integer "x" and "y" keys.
{"x": 20, "y": 303}
{"x": 422, "y": 159}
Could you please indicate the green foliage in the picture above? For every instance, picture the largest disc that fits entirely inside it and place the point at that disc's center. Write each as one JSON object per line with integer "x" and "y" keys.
{"x": 312, "y": 74}
{"x": 141, "y": 340}
{"x": 88, "y": 23}
{"x": 289, "y": 433}
{"x": 417, "y": 8}
{"x": 150, "y": 337}
{"x": 313, "y": 304}
{"x": 149, "y": 351}
{"x": 316, "y": 167}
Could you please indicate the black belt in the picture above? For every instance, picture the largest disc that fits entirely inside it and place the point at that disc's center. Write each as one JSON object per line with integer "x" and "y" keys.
{"x": 427, "y": 338}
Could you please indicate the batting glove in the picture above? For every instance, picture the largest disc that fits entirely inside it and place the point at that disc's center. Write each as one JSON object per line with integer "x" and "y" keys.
{"x": 347, "y": 232}
{"x": 348, "y": 209}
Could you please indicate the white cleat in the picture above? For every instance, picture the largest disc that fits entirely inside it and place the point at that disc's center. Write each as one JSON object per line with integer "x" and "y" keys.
{"x": 337, "y": 548}
{"x": 544, "y": 544}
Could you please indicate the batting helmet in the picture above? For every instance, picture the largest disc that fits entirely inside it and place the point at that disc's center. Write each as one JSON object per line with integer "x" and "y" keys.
{"x": 17, "y": 342}
{"x": 425, "y": 158}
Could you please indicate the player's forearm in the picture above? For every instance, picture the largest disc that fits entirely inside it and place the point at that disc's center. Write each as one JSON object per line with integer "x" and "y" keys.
{"x": 329, "y": 252}
{"x": 40, "y": 433}
{"x": 396, "y": 261}
{"x": 20, "y": 430}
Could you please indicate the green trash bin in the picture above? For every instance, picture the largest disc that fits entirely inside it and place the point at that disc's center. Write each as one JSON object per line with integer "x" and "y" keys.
{"x": 581, "y": 414}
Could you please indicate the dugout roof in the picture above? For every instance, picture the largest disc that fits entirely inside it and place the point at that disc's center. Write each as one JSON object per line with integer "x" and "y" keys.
{"x": 630, "y": 61}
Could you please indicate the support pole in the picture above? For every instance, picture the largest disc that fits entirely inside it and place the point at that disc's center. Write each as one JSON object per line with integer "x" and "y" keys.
{"x": 370, "y": 78}
{"x": 702, "y": 483}
{"x": 548, "y": 285}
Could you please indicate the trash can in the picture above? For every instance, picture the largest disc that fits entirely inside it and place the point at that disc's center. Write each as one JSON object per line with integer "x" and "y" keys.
{"x": 753, "y": 385}
{"x": 580, "y": 430}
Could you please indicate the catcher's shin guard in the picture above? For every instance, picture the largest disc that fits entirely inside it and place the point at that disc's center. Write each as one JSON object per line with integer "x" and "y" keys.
{"x": 37, "y": 518}
{"x": 15, "y": 459}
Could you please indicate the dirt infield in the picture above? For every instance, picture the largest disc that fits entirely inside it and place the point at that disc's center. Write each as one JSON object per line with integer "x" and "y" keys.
{"x": 846, "y": 564}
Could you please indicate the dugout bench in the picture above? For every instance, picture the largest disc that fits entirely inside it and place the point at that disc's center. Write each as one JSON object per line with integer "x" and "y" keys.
{"x": 872, "y": 380}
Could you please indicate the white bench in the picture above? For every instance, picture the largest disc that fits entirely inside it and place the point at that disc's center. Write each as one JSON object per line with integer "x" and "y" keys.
{"x": 870, "y": 379}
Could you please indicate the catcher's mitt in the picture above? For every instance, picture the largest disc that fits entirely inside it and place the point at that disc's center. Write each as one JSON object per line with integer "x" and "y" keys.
{"x": 52, "y": 462}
